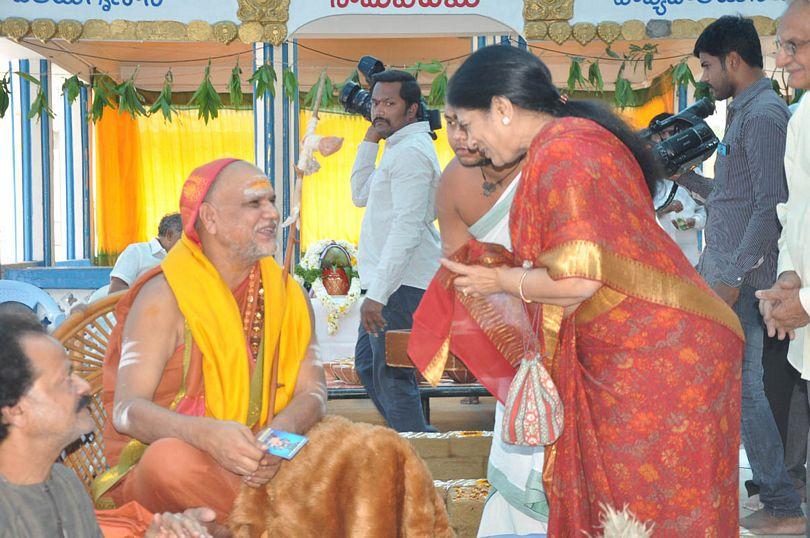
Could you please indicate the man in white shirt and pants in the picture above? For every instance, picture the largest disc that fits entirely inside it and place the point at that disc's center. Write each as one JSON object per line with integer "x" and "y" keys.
{"x": 399, "y": 245}
{"x": 786, "y": 306}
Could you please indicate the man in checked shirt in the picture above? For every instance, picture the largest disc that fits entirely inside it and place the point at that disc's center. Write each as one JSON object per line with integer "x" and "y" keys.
{"x": 742, "y": 231}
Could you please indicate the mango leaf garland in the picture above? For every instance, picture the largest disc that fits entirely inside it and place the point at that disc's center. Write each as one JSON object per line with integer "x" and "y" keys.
{"x": 264, "y": 80}
{"x": 235, "y": 86}
{"x": 5, "y": 95}
{"x": 595, "y": 77}
{"x": 290, "y": 83}
{"x": 702, "y": 90}
{"x": 163, "y": 103}
{"x": 623, "y": 95}
{"x": 103, "y": 96}
{"x": 130, "y": 100}
{"x": 206, "y": 98}
{"x": 438, "y": 90}
{"x": 575, "y": 77}
{"x": 40, "y": 104}
{"x": 71, "y": 88}
{"x": 682, "y": 74}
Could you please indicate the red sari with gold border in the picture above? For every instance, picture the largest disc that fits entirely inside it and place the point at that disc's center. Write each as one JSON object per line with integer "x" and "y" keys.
{"x": 649, "y": 367}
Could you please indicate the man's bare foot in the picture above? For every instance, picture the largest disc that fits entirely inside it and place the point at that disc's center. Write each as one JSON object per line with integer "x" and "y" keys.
{"x": 760, "y": 522}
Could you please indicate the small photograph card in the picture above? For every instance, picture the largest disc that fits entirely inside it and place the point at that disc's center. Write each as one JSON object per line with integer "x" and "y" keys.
{"x": 282, "y": 444}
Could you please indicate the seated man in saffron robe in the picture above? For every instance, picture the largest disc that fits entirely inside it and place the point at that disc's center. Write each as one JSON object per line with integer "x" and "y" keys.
{"x": 209, "y": 348}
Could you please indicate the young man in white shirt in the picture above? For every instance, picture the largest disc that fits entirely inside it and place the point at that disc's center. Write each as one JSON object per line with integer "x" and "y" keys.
{"x": 138, "y": 258}
{"x": 399, "y": 247}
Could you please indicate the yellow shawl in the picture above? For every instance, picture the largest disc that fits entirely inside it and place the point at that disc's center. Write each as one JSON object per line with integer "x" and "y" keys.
{"x": 215, "y": 322}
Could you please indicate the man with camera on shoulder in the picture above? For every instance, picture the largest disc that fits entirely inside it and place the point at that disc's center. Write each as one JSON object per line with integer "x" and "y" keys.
{"x": 399, "y": 247}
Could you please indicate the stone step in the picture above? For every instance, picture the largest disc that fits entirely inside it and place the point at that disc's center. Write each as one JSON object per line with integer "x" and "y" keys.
{"x": 453, "y": 455}
{"x": 465, "y": 503}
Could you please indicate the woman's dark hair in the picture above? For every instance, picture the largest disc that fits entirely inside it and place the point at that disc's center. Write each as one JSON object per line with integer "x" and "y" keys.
{"x": 731, "y": 34}
{"x": 521, "y": 77}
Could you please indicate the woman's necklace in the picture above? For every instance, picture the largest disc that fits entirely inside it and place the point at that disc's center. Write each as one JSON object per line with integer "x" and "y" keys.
{"x": 491, "y": 186}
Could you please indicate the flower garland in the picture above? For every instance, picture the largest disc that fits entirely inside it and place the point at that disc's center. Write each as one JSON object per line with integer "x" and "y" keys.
{"x": 308, "y": 272}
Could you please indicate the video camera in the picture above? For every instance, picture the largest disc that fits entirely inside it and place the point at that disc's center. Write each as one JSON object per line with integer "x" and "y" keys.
{"x": 356, "y": 100}
{"x": 693, "y": 141}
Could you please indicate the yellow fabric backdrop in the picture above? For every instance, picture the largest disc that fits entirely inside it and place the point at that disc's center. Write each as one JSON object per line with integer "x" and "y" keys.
{"x": 327, "y": 208}
{"x": 141, "y": 166}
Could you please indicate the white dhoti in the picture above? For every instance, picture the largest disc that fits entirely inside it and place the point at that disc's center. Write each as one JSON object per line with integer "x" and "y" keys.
{"x": 518, "y": 505}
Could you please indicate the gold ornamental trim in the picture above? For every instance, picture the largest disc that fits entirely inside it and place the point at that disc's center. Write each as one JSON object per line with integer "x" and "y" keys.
{"x": 609, "y": 31}
{"x": 584, "y": 32}
{"x": 634, "y": 30}
{"x": 559, "y": 32}
{"x": 43, "y": 29}
{"x": 536, "y": 30}
{"x": 548, "y": 10}
{"x": 685, "y": 28}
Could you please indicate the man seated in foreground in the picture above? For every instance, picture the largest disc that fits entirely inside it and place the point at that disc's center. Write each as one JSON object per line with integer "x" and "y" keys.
{"x": 43, "y": 408}
{"x": 210, "y": 347}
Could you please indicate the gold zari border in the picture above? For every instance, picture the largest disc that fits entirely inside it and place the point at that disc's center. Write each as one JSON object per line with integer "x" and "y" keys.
{"x": 585, "y": 259}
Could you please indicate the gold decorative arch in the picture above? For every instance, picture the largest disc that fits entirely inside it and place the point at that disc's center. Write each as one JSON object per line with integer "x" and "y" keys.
{"x": 265, "y": 21}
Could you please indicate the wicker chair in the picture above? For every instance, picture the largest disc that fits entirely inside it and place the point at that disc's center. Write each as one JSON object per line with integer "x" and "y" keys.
{"x": 86, "y": 335}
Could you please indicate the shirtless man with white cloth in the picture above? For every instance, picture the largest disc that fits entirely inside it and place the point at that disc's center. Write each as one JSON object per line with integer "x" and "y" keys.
{"x": 466, "y": 211}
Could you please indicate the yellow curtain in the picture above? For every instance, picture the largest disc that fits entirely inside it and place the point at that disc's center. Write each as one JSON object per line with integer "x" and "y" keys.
{"x": 639, "y": 117}
{"x": 141, "y": 166}
{"x": 326, "y": 205}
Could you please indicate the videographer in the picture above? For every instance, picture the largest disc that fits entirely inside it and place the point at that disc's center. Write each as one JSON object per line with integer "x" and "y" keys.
{"x": 399, "y": 247}
{"x": 741, "y": 240}
{"x": 677, "y": 212}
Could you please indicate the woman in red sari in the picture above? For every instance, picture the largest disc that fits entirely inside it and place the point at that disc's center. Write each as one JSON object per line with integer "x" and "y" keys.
{"x": 645, "y": 357}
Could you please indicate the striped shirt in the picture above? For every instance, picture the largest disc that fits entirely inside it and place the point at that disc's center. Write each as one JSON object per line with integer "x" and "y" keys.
{"x": 742, "y": 229}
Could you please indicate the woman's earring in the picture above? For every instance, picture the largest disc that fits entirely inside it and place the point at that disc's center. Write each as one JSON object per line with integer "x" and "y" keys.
{"x": 505, "y": 120}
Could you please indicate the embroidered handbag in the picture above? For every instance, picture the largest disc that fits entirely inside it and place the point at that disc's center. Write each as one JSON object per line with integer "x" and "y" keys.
{"x": 533, "y": 414}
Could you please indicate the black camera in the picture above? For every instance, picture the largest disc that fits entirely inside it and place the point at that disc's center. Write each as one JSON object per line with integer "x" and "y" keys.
{"x": 692, "y": 143}
{"x": 356, "y": 100}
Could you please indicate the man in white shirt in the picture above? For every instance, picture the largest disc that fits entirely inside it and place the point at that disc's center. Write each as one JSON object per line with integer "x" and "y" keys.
{"x": 138, "y": 258}
{"x": 786, "y": 306}
{"x": 681, "y": 219}
{"x": 399, "y": 245}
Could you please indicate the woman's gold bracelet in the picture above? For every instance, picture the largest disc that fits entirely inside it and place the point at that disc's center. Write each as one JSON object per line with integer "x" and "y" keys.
{"x": 520, "y": 286}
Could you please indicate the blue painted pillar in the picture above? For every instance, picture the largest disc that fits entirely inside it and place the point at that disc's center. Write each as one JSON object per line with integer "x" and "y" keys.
{"x": 84, "y": 107}
{"x": 70, "y": 183}
{"x": 46, "y": 156}
{"x": 26, "y": 165}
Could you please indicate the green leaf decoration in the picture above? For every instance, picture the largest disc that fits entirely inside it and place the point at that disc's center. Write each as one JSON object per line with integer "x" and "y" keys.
{"x": 163, "y": 103}
{"x": 5, "y": 95}
{"x": 40, "y": 106}
{"x": 71, "y": 88}
{"x": 682, "y": 74}
{"x": 28, "y": 77}
{"x": 264, "y": 81}
{"x": 595, "y": 77}
{"x": 702, "y": 90}
{"x": 796, "y": 97}
{"x": 575, "y": 77}
{"x": 235, "y": 86}
{"x": 776, "y": 87}
{"x": 434, "y": 67}
{"x": 104, "y": 96}
{"x": 624, "y": 95}
{"x": 290, "y": 83}
{"x": 130, "y": 100}
{"x": 612, "y": 53}
{"x": 438, "y": 90}
{"x": 206, "y": 98}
